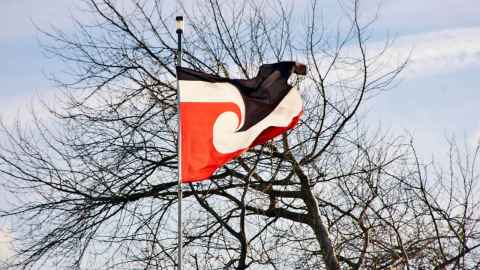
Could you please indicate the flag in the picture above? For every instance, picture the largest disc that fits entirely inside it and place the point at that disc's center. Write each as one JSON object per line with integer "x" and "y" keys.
{"x": 220, "y": 118}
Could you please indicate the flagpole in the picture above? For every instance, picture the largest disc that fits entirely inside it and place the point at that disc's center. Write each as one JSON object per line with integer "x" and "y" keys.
{"x": 179, "y": 25}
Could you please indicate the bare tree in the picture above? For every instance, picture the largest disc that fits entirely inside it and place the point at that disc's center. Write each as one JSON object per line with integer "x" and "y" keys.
{"x": 96, "y": 184}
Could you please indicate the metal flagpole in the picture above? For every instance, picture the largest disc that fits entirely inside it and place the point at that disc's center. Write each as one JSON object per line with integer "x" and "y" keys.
{"x": 179, "y": 25}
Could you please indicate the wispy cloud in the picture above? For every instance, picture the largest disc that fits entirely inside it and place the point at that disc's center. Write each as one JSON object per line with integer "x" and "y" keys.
{"x": 439, "y": 52}
{"x": 429, "y": 54}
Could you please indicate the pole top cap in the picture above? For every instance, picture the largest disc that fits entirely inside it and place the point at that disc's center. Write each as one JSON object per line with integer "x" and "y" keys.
{"x": 179, "y": 23}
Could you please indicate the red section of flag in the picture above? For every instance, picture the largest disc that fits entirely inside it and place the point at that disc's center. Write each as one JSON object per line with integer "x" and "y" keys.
{"x": 199, "y": 157}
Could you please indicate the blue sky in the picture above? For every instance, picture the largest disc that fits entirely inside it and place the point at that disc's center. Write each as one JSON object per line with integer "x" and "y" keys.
{"x": 438, "y": 96}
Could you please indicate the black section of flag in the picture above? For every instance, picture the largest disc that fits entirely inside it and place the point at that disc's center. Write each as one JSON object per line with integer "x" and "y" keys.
{"x": 261, "y": 94}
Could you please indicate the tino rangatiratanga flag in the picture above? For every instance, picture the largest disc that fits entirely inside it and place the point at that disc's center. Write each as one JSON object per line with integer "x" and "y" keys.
{"x": 221, "y": 118}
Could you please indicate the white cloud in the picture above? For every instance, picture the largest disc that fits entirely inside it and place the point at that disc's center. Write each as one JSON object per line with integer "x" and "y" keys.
{"x": 440, "y": 52}
{"x": 431, "y": 53}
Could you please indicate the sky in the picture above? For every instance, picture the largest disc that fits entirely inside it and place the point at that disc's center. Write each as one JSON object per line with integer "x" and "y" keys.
{"x": 438, "y": 95}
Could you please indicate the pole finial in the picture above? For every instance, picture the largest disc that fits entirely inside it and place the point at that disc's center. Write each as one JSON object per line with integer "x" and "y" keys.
{"x": 179, "y": 24}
